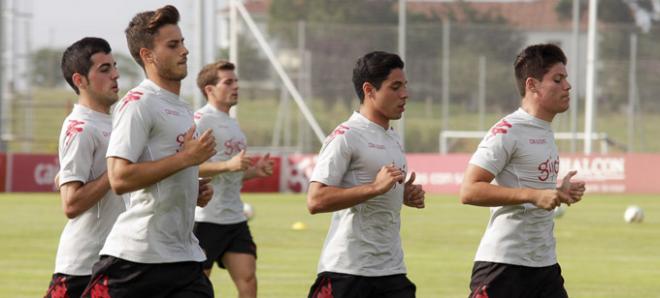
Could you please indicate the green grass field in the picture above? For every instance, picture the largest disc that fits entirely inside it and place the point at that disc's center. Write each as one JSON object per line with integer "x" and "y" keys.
{"x": 601, "y": 255}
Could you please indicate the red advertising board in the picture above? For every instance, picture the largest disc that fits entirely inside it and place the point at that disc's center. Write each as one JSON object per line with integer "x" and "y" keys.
{"x": 266, "y": 184}
{"x": 31, "y": 172}
{"x": 623, "y": 173}
{"x": 437, "y": 173}
{"x": 3, "y": 172}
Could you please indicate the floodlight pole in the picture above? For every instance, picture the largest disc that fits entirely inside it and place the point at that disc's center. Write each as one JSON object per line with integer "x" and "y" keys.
{"x": 401, "y": 124}
{"x": 200, "y": 26}
{"x": 446, "y": 31}
{"x": 591, "y": 76}
{"x": 632, "y": 92}
{"x": 575, "y": 90}
{"x": 2, "y": 69}
{"x": 233, "y": 45}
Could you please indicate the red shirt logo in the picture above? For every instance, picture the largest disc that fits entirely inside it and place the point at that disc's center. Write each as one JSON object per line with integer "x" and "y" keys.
{"x": 233, "y": 146}
{"x": 340, "y": 130}
{"x": 180, "y": 139}
{"x": 72, "y": 129}
{"x": 501, "y": 127}
{"x": 548, "y": 168}
{"x": 130, "y": 97}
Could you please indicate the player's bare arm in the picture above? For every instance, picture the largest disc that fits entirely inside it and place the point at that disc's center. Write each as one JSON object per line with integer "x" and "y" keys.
{"x": 413, "y": 194}
{"x": 261, "y": 168}
{"x": 239, "y": 162}
{"x": 78, "y": 197}
{"x": 325, "y": 198}
{"x": 126, "y": 176}
{"x": 477, "y": 190}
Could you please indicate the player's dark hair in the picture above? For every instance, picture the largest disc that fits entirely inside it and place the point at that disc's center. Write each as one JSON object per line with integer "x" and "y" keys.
{"x": 143, "y": 28}
{"x": 209, "y": 74}
{"x": 77, "y": 58}
{"x": 535, "y": 61}
{"x": 374, "y": 68}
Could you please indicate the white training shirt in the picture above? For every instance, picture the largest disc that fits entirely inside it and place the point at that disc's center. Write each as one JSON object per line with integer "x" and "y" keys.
{"x": 520, "y": 151}
{"x": 362, "y": 240}
{"x": 149, "y": 124}
{"x": 82, "y": 146}
{"x": 226, "y": 206}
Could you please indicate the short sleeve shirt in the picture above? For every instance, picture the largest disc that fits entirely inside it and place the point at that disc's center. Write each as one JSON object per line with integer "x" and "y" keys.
{"x": 226, "y": 206}
{"x": 82, "y": 145}
{"x": 364, "y": 239}
{"x": 520, "y": 151}
{"x": 150, "y": 124}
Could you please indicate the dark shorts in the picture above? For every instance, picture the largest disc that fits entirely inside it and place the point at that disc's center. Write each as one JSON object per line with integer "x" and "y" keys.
{"x": 497, "y": 280}
{"x": 339, "y": 285}
{"x": 216, "y": 240}
{"x": 113, "y": 277}
{"x": 64, "y": 285}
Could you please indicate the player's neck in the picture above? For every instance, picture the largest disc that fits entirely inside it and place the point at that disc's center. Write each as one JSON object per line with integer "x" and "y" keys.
{"x": 173, "y": 86}
{"x": 536, "y": 110}
{"x": 219, "y": 106}
{"x": 94, "y": 105}
{"x": 374, "y": 116}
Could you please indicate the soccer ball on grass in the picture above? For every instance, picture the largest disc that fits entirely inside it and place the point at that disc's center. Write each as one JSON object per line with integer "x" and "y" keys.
{"x": 633, "y": 214}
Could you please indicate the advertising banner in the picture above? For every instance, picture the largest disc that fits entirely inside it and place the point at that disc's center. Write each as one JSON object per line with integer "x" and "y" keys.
{"x": 441, "y": 174}
{"x": 31, "y": 172}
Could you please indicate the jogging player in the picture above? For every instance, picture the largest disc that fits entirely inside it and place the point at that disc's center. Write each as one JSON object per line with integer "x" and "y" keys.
{"x": 516, "y": 256}
{"x": 221, "y": 226}
{"x": 153, "y": 155}
{"x": 92, "y": 208}
{"x": 359, "y": 176}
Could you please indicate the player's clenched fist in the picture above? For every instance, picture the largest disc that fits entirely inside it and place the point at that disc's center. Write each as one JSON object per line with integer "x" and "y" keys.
{"x": 413, "y": 194}
{"x": 548, "y": 199}
{"x": 201, "y": 149}
{"x": 264, "y": 166}
{"x": 240, "y": 162}
{"x": 574, "y": 190}
{"x": 205, "y": 193}
{"x": 387, "y": 177}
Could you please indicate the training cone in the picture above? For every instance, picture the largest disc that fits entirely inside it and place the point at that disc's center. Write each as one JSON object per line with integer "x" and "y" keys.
{"x": 298, "y": 225}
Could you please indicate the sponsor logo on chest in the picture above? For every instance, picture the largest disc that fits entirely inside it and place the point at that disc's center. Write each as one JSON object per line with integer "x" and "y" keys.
{"x": 172, "y": 112}
{"x": 548, "y": 168}
{"x": 233, "y": 146}
{"x": 376, "y": 146}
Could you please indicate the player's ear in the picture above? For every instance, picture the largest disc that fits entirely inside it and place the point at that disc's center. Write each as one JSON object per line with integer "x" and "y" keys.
{"x": 368, "y": 89}
{"x": 531, "y": 84}
{"x": 146, "y": 55}
{"x": 79, "y": 80}
{"x": 208, "y": 89}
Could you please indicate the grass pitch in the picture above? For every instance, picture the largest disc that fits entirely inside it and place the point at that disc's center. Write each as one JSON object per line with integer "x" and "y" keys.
{"x": 601, "y": 255}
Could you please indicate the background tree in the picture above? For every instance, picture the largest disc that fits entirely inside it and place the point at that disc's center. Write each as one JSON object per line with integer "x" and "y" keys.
{"x": 45, "y": 68}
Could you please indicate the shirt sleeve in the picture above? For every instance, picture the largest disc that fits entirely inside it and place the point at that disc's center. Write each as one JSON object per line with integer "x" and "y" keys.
{"x": 76, "y": 155}
{"x": 494, "y": 152}
{"x": 333, "y": 161}
{"x": 130, "y": 131}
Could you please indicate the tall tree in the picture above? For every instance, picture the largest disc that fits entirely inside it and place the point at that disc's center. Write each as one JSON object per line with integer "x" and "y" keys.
{"x": 45, "y": 67}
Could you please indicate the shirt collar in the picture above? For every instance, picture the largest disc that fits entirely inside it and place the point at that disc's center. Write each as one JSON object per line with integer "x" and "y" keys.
{"x": 527, "y": 116}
